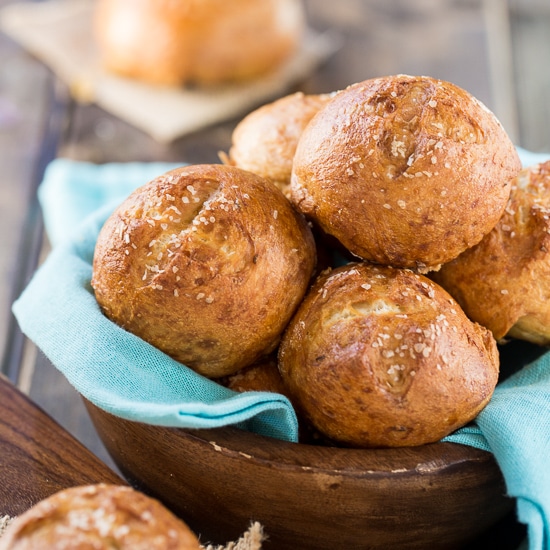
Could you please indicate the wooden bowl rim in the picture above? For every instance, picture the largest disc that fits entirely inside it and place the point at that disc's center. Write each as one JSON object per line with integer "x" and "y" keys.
{"x": 235, "y": 443}
{"x": 402, "y": 461}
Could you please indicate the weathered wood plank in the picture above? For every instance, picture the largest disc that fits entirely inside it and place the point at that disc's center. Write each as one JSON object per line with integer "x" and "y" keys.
{"x": 24, "y": 85}
{"x": 530, "y": 35}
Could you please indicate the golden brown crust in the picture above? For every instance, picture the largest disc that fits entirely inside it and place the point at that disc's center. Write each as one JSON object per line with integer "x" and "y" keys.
{"x": 404, "y": 171}
{"x": 172, "y": 42}
{"x": 263, "y": 375}
{"x": 265, "y": 141}
{"x": 207, "y": 263}
{"x": 377, "y": 356}
{"x": 503, "y": 283}
{"x": 98, "y": 517}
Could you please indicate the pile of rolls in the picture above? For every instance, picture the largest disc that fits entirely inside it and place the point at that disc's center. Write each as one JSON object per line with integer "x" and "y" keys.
{"x": 335, "y": 256}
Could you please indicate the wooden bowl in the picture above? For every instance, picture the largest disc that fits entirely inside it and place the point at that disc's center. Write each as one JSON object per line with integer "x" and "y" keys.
{"x": 441, "y": 495}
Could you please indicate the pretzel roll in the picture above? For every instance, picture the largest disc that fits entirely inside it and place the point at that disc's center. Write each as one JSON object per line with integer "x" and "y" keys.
{"x": 263, "y": 375}
{"x": 404, "y": 171}
{"x": 265, "y": 141}
{"x": 383, "y": 357}
{"x": 172, "y": 42}
{"x": 99, "y": 517}
{"x": 503, "y": 283}
{"x": 207, "y": 263}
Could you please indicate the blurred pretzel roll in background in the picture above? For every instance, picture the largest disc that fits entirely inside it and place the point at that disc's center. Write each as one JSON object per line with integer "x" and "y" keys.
{"x": 265, "y": 141}
{"x": 504, "y": 281}
{"x": 101, "y": 517}
{"x": 207, "y": 263}
{"x": 175, "y": 42}
{"x": 384, "y": 357}
{"x": 407, "y": 171}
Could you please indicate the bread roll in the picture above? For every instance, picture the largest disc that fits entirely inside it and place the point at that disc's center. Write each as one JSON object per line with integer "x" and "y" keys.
{"x": 98, "y": 517}
{"x": 404, "y": 171}
{"x": 383, "y": 357}
{"x": 263, "y": 375}
{"x": 265, "y": 141}
{"x": 207, "y": 263}
{"x": 173, "y": 42}
{"x": 503, "y": 283}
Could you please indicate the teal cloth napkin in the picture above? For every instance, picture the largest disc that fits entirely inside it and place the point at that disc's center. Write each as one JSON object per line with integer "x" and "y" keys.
{"x": 129, "y": 378}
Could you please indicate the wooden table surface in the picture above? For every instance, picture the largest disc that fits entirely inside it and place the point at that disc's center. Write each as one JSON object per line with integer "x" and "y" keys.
{"x": 495, "y": 49}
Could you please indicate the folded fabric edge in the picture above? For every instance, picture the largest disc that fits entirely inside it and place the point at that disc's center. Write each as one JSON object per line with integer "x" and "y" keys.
{"x": 469, "y": 435}
{"x": 268, "y": 414}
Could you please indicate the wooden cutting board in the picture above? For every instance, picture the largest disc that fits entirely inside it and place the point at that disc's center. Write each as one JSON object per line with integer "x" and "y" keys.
{"x": 37, "y": 456}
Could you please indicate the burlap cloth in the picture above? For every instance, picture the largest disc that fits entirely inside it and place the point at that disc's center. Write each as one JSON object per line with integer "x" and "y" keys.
{"x": 4, "y": 522}
{"x": 251, "y": 540}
